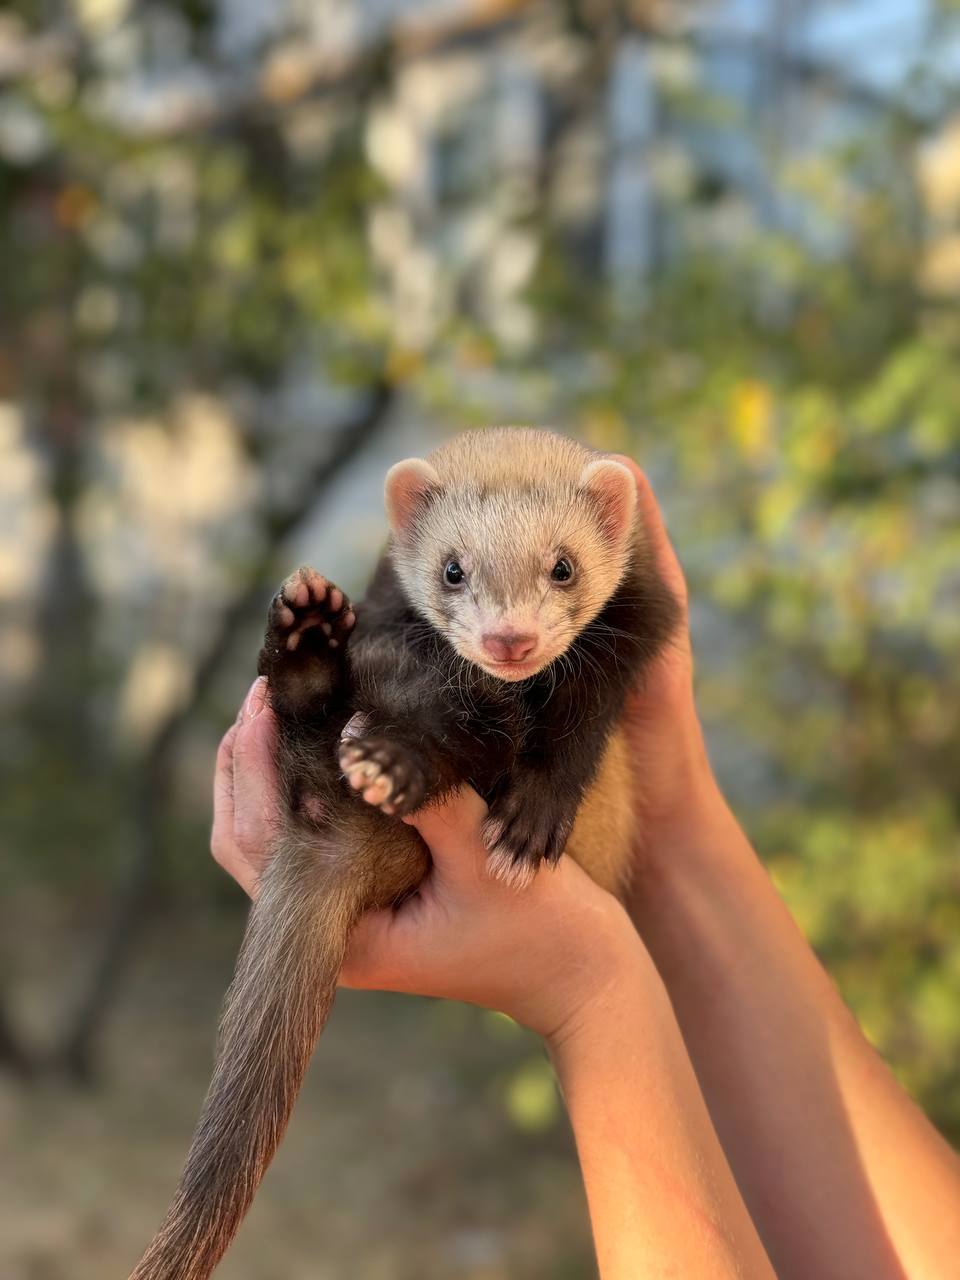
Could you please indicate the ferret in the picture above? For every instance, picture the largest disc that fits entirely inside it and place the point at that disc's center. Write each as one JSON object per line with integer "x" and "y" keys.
{"x": 515, "y": 606}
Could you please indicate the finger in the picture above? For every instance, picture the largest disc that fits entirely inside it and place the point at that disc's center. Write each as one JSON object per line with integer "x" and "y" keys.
{"x": 452, "y": 832}
{"x": 255, "y": 700}
{"x": 660, "y": 544}
{"x": 256, "y": 792}
{"x": 223, "y": 793}
{"x": 370, "y": 952}
{"x": 394, "y": 950}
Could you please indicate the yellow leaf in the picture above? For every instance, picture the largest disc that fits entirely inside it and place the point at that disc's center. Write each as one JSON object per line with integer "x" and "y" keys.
{"x": 751, "y": 419}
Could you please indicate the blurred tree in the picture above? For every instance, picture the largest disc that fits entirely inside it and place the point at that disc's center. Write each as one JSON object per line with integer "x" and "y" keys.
{"x": 148, "y": 259}
{"x": 791, "y": 366}
{"x": 777, "y": 334}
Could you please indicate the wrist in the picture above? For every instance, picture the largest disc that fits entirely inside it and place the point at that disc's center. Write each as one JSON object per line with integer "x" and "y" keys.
{"x": 692, "y": 852}
{"x": 631, "y": 1016}
{"x": 675, "y": 786}
{"x": 689, "y": 815}
{"x": 693, "y": 826}
{"x": 615, "y": 971}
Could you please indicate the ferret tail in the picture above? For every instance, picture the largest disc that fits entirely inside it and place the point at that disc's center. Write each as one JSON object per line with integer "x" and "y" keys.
{"x": 278, "y": 1001}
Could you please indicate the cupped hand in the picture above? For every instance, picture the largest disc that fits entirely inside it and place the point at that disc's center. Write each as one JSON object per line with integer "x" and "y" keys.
{"x": 537, "y": 953}
{"x": 246, "y": 799}
{"x": 675, "y": 784}
{"x": 542, "y": 953}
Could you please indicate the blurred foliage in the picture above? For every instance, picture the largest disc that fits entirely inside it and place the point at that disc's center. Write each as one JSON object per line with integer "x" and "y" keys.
{"x": 823, "y": 455}
{"x": 802, "y": 408}
{"x": 786, "y": 367}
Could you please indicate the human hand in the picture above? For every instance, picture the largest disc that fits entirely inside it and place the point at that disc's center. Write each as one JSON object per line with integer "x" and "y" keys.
{"x": 677, "y": 792}
{"x": 543, "y": 953}
{"x": 245, "y": 791}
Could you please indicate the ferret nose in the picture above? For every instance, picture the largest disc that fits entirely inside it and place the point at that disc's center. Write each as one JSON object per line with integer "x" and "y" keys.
{"x": 510, "y": 647}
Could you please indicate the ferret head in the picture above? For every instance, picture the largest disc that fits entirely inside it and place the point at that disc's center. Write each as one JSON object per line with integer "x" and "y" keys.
{"x": 510, "y": 543}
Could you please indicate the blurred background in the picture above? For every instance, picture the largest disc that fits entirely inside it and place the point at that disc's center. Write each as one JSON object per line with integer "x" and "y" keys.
{"x": 251, "y": 255}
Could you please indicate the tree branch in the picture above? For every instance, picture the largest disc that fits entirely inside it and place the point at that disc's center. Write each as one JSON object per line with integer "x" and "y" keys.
{"x": 14, "y": 1055}
{"x": 151, "y": 786}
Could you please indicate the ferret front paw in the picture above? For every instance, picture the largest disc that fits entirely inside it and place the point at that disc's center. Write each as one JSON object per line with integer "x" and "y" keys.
{"x": 307, "y": 603}
{"x": 384, "y": 772}
{"x": 521, "y": 831}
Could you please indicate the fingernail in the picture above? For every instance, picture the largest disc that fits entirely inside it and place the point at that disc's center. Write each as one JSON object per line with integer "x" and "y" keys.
{"x": 253, "y": 704}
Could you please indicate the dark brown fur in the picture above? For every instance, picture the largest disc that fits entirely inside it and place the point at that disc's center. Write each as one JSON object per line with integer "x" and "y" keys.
{"x": 531, "y": 749}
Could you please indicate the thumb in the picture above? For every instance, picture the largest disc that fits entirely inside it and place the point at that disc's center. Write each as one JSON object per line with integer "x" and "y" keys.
{"x": 256, "y": 793}
{"x": 256, "y": 730}
{"x": 223, "y": 790}
{"x": 452, "y": 833}
{"x": 660, "y": 544}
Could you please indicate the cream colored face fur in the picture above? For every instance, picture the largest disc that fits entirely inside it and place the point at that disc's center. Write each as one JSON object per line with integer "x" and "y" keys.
{"x": 507, "y": 517}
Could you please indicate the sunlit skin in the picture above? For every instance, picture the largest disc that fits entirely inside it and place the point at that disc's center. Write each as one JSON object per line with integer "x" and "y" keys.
{"x": 842, "y": 1176}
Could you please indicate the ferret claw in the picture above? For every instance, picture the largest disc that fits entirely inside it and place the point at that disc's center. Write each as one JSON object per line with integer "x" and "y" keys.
{"x": 307, "y": 602}
{"x": 520, "y": 832}
{"x": 383, "y": 772}
{"x": 505, "y": 866}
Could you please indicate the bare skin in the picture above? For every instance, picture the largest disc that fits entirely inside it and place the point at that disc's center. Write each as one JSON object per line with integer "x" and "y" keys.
{"x": 842, "y": 1175}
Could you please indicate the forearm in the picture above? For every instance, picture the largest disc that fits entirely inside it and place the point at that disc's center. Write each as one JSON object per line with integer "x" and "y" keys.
{"x": 842, "y": 1173}
{"x": 662, "y": 1198}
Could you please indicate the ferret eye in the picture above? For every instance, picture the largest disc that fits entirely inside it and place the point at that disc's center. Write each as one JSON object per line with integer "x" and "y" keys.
{"x": 453, "y": 574}
{"x": 562, "y": 571}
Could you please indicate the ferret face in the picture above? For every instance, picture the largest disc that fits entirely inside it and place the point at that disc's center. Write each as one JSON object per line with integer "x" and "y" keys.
{"x": 510, "y": 575}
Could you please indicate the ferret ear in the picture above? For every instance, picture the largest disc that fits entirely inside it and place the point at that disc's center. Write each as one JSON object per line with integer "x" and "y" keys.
{"x": 406, "y": 491}
{"x": 614, "y": 491}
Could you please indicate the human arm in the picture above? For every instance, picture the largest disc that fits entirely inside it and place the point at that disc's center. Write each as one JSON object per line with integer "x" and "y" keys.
{"x": 842, "y": 1173}
{"x": 662, "y": 1198}
{"x": 560, "y": 956}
